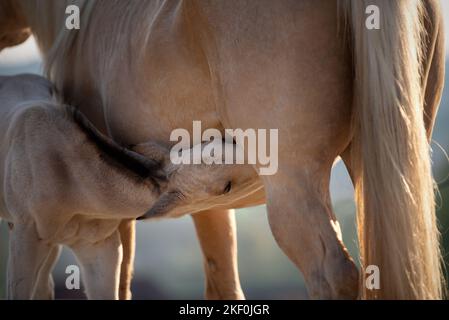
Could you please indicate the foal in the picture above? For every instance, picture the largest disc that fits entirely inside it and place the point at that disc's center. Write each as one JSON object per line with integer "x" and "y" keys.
{"x": 64, "y": 183}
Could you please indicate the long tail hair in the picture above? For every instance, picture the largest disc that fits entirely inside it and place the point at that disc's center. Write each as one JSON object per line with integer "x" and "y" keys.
{"x": 394, "y": 185}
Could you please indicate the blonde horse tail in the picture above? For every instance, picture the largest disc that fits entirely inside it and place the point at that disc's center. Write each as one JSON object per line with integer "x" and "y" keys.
{"x": 394, "y": 185}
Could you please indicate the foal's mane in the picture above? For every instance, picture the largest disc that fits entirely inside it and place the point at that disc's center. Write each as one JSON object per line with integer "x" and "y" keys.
{"x": 114, "y": 154}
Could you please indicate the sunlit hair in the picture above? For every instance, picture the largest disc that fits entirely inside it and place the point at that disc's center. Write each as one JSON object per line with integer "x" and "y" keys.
{"x": 394, "y": 185}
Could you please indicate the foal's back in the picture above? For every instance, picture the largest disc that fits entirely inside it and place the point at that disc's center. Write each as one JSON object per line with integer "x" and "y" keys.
{"x": 16, "y": 94}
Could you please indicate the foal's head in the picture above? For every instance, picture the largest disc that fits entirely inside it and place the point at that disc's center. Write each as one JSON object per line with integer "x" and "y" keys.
{"x": 194, "y": 187}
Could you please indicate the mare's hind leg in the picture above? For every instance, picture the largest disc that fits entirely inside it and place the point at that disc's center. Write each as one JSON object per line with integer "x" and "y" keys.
{"x": 27, "y": 256}
{"x": 306, "y": 229}
{"x": 100, "y": 266}
{"x": 45, "y": 289}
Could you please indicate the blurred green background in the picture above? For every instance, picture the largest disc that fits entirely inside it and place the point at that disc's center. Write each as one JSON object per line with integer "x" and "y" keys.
{"x": 168, "y": 261}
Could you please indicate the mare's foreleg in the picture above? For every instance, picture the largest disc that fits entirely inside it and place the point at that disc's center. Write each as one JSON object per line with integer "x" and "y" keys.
{"x": 216, "y": 233}
{"x": 127, "y": 231}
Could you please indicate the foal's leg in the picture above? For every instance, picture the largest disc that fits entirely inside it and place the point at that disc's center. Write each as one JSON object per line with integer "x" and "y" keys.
{"x": 216, "y": 233}
{"x": 100, "y": 265}
{"x": 127, "y": 231}
{"x": 45, "y": 289}
{"x": 305, "y": 227}
{"x": 27, "y": 256}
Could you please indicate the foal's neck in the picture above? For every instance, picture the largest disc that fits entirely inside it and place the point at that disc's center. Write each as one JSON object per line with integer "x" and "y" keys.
{"x": 118, "y": 179}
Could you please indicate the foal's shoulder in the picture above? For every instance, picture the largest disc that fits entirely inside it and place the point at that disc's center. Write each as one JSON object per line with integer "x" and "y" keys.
{"x": 36, "y": 113}
{"x": 39, "y": 120}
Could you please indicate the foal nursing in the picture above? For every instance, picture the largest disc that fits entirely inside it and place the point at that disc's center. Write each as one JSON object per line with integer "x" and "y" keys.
{"x": 64, "y": 183}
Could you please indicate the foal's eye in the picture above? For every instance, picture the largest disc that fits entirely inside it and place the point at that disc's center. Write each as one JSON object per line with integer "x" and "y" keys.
{"x": 227, "y": 188}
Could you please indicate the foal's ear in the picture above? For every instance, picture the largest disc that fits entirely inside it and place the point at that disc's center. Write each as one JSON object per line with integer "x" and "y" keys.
{"x": 166, "y": 202}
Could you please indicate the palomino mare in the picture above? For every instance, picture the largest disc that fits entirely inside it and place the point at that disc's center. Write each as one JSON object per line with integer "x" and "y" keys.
{"x": 140, "y": 69}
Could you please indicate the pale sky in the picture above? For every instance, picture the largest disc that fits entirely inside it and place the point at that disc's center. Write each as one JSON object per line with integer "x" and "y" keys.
{"x": 445, "y": 4}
